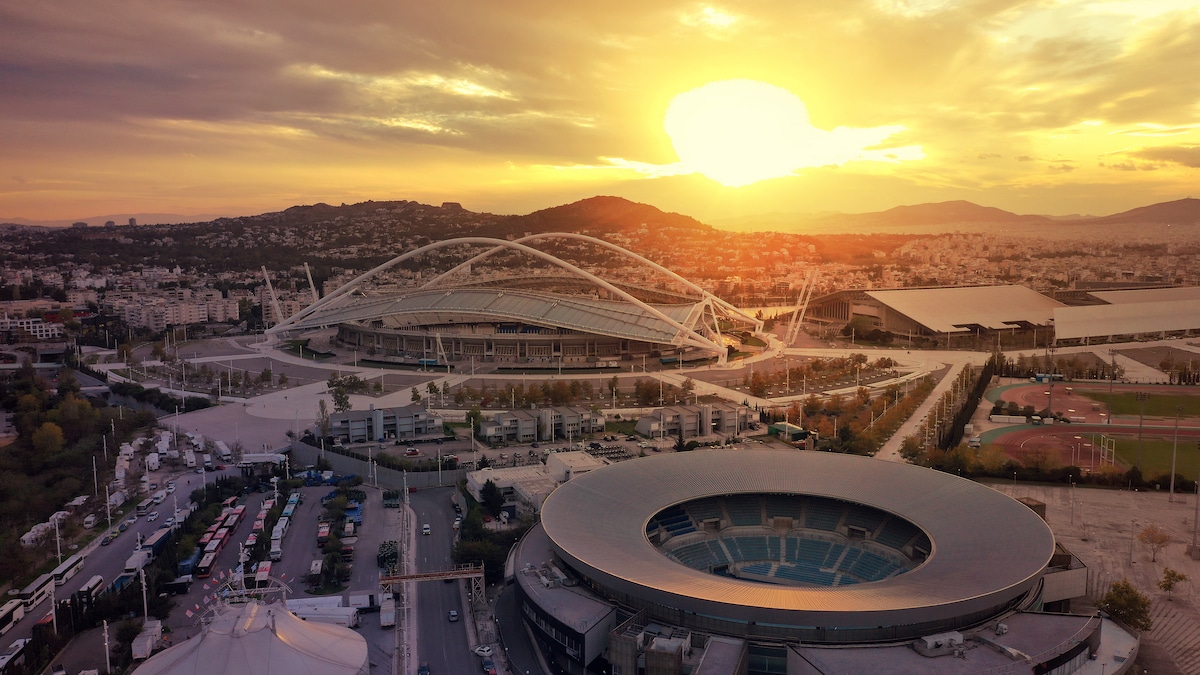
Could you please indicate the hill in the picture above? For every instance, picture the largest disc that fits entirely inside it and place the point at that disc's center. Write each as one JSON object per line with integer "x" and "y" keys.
{"x": 596, "y": 216}
{"x": 1178, "y": 212}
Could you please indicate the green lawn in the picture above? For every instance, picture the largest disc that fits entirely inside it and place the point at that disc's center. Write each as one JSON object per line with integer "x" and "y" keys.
{"x": 1157, "y": 405}
{"x": 1156, "y": 456}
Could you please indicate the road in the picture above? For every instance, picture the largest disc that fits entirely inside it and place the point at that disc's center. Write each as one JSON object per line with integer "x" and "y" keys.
{"x": 442, "y": 643}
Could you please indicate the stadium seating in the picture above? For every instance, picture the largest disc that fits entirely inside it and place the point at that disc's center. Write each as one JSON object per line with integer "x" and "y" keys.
{"x": 822, "y": 514}
{"x": 744, "y": 509}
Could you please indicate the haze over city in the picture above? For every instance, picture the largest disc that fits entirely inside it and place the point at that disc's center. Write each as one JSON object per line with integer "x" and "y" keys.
{"x": 715, "y": 110}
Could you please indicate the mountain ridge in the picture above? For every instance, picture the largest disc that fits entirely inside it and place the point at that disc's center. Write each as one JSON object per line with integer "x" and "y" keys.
{"x": 599, "y": 213}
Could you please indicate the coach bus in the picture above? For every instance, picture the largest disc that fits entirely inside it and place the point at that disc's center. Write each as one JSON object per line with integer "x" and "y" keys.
{"x": 204, "y": 569}
{"x": 144, "y": 507}
{"x": 91, "y": 590}
{"x": 33, "y": 594}
{"x": 69, "y": 568}
{"x": 12, "y": 612}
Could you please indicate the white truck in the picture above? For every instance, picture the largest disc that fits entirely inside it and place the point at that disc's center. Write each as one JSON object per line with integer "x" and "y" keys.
{"x": 387, "y": 613}
{"x": 148, "y": 640}
{"x": 223, "y": 451}
{"x": 189, "y": 459}
{"x": 338, "y": 616}
{"x": 276, "y": 550}
{"x": 208, "y": 463}
{"x": 152, "y": 462}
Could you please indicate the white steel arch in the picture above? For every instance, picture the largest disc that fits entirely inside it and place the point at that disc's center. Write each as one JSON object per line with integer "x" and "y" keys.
{"x": 708, "y": 297}
{"x": 685, "y": 334}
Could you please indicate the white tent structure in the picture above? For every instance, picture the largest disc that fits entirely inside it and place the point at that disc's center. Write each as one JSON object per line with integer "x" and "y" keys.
{"x": 263, "y": 639}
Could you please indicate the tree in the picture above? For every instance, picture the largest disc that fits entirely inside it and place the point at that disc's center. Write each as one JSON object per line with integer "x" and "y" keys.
{"x": 1123, "y": 603}
{"x": 48, "y": 439}
{"x": 416, "y": 395}
{"x": 323, "y": 417}
{"x": 283, "y": 379}
{"x": 1156, "y": 538}
{"x": 680, "y": 445}
{"x": 1170, "y": 578}
{"x": 492, "y": 500}
{"x": 474, "y": 418}
{"x": 341, "y": 400}
{"x": 687, "y": 388}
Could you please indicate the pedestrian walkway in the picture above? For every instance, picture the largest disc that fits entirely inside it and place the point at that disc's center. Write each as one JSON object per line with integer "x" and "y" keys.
{"x": 890, "y": 451}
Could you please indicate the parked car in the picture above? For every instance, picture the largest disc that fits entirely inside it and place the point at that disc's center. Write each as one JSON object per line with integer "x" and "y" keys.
{"x": 483, "y": 650}
{"x": 489, "y": 667}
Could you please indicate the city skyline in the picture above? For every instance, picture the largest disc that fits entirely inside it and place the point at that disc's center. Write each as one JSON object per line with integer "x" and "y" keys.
{"x": 1069, "y": 107}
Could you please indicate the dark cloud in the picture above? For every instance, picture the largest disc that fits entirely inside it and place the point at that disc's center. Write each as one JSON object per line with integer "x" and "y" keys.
{"x": 1185, "y": 155}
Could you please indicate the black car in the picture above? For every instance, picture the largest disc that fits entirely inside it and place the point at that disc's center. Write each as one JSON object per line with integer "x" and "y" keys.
{"x": 423, "y": 669}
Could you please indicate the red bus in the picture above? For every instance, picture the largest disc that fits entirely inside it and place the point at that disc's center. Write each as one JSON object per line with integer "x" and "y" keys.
{"x": 204, "y": 569}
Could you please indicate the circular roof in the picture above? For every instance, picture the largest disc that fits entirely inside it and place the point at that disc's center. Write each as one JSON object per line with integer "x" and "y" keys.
{"x": 987, "y": 549}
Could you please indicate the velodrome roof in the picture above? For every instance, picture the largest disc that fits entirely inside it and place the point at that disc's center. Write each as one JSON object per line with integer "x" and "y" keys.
{"x": 590, "y": 315}
{"x": 987, "y": 548}
{"x": 1139, "y": 295}
{"x": 1128, "y": 318}
{"x": 956, "y": 309}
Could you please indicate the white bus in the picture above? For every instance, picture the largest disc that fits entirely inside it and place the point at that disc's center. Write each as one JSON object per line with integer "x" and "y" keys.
{"x": 69, "y": 568}
{"x": 12, "y": 612}
{"x": 33, "y": 594}
{"x": 91, "y": 590}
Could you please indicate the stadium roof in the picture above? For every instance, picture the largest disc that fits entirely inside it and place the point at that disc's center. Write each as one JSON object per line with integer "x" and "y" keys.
{"x": 988, "y": 549}
{"x": 616, "y": 319}
{"x": 1138, "y": 295}
{"x": 260, "y": 639}
{"x": 697, "y": 324}
{"x": 960, "y": 309}
{"x": 1126, "y": 318}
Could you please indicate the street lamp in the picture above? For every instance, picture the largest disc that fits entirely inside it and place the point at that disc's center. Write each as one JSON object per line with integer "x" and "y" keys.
{"x": 1174, "y": 450}
{"x": 1141, "y": 396}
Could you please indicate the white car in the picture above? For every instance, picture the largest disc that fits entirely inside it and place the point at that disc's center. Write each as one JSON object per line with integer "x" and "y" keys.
{"x": 425, "y": 529}
{"x": 152, "y": 517}
{"x": 483, "y": 650}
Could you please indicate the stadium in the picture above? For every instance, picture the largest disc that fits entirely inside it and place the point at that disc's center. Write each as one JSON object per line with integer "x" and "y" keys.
{"x": 512, "y": 303}
{"x": 773, "y": 550}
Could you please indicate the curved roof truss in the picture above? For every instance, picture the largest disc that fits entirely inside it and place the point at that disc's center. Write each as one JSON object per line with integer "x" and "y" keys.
{"x": 701, "y": 329}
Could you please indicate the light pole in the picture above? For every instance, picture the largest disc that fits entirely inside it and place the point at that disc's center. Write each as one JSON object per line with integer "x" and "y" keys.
{"x": 1174, "y": 450}
{"x": 1132, "y": 529}
{"x": 1141, "y": 396}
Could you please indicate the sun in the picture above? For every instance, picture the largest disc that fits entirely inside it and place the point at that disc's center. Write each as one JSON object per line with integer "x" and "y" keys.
{"x": 739, "y": 132}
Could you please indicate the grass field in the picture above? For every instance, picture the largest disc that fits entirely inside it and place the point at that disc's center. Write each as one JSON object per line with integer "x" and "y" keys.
{"x": 1156, "y": 456}
{"x": 1157, "y": 405}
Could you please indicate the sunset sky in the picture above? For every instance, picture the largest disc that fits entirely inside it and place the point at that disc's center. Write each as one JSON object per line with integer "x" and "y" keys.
{"x": 234, "y": 108}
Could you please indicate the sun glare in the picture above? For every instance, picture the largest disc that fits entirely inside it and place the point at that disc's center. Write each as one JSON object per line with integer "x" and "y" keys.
{"x": 739, "y": 132}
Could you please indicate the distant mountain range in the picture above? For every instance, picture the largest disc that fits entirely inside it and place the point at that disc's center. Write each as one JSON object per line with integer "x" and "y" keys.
{"x": 597, "y": 215}
{"x": 943, "y": 216}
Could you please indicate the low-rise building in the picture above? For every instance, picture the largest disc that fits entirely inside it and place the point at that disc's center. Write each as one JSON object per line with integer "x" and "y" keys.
{"x": 406, "y": 422}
